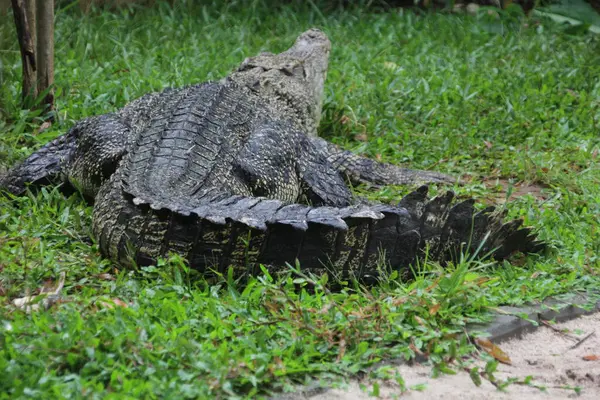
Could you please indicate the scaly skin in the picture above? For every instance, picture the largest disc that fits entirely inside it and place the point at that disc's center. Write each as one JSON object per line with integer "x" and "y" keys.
{"x": 231, "y": 174}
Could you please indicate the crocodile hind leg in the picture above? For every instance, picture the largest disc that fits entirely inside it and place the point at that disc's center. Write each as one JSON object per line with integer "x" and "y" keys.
{"x": 296, "y": 171}
{"x": 43, "y": 167}
{"x": 101, "y": 143}
{"x": 84, "y": 157}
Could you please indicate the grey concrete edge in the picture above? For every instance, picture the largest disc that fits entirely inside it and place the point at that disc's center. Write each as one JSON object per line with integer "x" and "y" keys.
{"x": 507, "y": 323}
{"x": 511, "y": 322}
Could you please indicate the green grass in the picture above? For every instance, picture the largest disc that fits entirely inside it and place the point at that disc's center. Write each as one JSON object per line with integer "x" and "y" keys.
{"x": 477, "y": 97}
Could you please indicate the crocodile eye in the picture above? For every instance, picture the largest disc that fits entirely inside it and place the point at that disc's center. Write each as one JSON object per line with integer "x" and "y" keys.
{"x": 293, "y": 70}
{"x": 287, "y": 70}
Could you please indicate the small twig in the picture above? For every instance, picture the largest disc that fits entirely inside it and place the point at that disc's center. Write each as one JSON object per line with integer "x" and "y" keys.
{"x": 49, "y": 350}
{"x": 27, "y": 48}
{"x": 555, "y": 329}
{"x": 45, "y": 299}
{"x": 489, "y": 379}
{"x": 267, "y": 323}
{"x": 59, "y": 287}
{"x": 576, "y": 345}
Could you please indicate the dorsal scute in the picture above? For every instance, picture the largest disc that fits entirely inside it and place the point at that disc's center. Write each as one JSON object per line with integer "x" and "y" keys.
{"x": 189, "y": 145}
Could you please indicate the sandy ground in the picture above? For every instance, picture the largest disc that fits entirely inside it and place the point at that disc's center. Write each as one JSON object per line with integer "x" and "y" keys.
{"x": 547, "y": 355}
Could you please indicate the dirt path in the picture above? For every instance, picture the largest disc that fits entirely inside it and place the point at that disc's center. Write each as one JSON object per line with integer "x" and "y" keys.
{"x": 550, "y": 357}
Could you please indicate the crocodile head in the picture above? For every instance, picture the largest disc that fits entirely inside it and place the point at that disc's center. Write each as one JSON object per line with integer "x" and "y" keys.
{"x": 312, "y": 52}
{"x": 292, "y": 80}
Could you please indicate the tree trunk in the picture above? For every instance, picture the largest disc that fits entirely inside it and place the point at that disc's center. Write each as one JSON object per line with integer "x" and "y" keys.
{"x": 595, "y": 4}
{"x": 31, "y": 21}
{"x": 85, "y": 5}
{"x": 26, "y": 45}
{"x": 45, "y": 51}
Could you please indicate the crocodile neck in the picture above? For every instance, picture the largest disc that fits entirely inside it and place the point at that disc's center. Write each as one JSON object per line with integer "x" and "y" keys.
{"x": 292, "y": 82}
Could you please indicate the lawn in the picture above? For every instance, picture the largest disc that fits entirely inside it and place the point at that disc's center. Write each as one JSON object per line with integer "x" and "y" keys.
{"x": 498, "y": 101}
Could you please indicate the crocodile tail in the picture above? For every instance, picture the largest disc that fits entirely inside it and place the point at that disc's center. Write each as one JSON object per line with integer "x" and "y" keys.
{"x": 246, "y": 232}
{"x": 450, "y": 229}
{"x": 41, "y": 168}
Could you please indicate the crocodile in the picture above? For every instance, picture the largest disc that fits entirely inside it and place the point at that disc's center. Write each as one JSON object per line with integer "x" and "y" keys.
{"x": 232, "y": 174}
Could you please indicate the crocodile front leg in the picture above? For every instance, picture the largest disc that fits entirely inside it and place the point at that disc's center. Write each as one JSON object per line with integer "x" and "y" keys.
{"x": 364, "y": 170}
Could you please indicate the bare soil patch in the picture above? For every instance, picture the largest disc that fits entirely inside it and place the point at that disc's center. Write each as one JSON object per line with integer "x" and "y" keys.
{"x": 502, "y": 185}
{"x": 557, "y": 358}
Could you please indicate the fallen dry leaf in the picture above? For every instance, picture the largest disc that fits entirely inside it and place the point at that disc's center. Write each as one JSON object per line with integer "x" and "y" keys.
{"x": 493, "y": 350}
{"x": 572, "y": 92}
{"x": 105, "y": 277}
{"x": 345, "y": 119}
{"x": 35, "y": 303}
{"x": 482, "y": 280}
{"x": 45, "y": 125}
{"x": 392, "y": 66}
{"x": 591, "y": 357}
{"x": 361, "y": 137}
{"x": 342, "y": 349}
{"x": 415, "y": 349}
{"x": 434, "y": 309}
{"x": 112, "y": 303}
{"x": 48, "y": 296}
